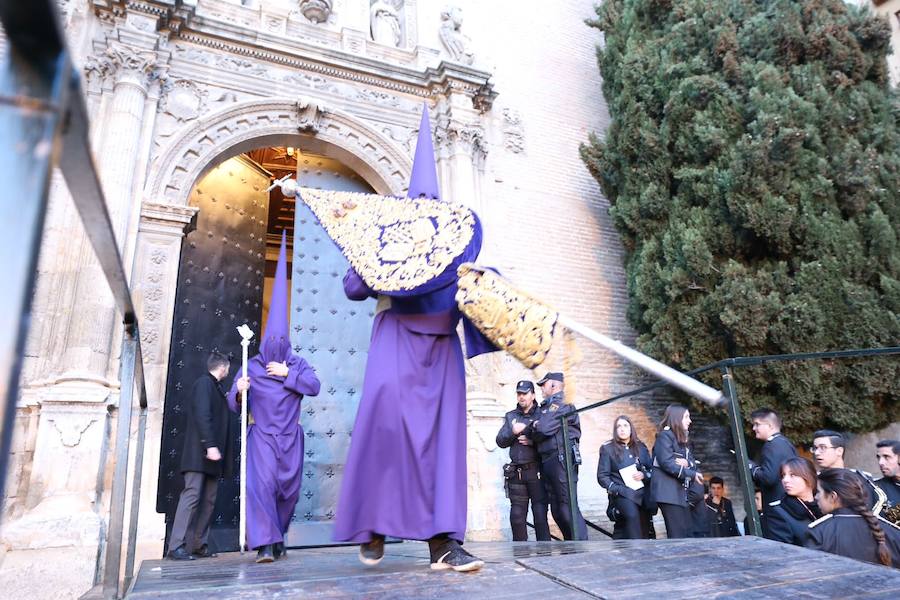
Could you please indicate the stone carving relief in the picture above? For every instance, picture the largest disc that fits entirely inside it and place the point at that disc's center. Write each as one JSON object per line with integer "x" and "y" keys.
{"x": 513, "y": 133}
{"x": 70, "y": 428}
{"x": 458, "y": 44}
{"x": 385, "y": 24}
{"x": 186, "y": 155}
{"x": 120, "y": 62}
{"x": 451, "y": 136}
{"x": 183, "y": 99}
{"x": 316, "y": 11}
{"x": 309, "y": 114}
{"x": 405, "y": 136}
{"x": 221, "y": 61}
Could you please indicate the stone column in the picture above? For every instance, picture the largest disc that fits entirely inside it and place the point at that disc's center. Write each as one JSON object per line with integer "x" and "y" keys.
{"x": 160, "y": 234}
{"x": 462, "y": 149}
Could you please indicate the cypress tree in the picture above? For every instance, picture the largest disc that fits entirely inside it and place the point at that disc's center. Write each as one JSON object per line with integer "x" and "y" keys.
{"x": 753, "y": 169}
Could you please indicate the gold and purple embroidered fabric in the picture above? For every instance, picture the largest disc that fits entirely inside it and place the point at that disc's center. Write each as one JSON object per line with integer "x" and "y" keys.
{"x": 399, "y": 246}
{"x": 511, "y": 319}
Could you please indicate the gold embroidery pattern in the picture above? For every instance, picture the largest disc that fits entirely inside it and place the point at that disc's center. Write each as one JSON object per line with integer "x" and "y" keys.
{"x": 394, "y": 244}
{"x": 513, "y": 320}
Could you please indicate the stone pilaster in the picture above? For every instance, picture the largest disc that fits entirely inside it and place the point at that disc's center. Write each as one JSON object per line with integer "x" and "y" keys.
{"x": 461, "y": 145}
{"x": 160, "y": 234}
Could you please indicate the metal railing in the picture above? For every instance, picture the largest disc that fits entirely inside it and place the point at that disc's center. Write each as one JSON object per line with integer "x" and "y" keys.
{"x": 733, "y": 409}
{"x": 44, "y": 121}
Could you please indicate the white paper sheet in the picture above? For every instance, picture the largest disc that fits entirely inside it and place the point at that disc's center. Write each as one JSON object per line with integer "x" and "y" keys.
{"x": 628, "y": 477}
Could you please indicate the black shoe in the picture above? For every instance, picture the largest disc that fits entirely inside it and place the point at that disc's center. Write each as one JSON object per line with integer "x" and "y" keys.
{"x": 204, "y": 552}
{"x": 450, "y": 555}
{"x": 180, "y": 553}
{"x": 279, "y": 550}
{"x": 372, "y": 551}
{"x": 265, "y": 554}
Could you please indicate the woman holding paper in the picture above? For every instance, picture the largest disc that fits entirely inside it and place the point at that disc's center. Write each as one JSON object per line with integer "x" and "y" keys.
{"x": 623, "y": 470}
{"x": 674, "y": 469}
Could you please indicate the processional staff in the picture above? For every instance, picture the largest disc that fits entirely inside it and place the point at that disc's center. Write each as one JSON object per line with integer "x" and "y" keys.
{"x": 246, "y": 335}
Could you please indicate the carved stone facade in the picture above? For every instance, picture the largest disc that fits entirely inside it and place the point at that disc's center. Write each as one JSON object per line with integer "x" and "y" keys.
{"x": 175, "y": 91}
{"x": 891, "y": 10}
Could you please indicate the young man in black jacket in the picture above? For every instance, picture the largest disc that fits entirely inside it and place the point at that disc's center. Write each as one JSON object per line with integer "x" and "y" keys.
{"x": 206, "y": 453}
{"x": 776, "y": 449}
{"x": 523, "y": 473}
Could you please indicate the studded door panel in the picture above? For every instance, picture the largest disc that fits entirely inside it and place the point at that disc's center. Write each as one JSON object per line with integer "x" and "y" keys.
{"x": 220, "y": 286}
{"x": 332, "y": 333}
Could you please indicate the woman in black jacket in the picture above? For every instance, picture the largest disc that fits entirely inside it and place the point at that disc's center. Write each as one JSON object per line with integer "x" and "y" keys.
{"x": 849, "y": 528}
{"x": 789, "y": 518}
{"x": 622, "y": 452}
{"x": 673, "y": 471}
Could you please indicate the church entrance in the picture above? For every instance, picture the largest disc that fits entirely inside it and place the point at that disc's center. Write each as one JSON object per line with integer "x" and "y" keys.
{"x": 224, "y": 280}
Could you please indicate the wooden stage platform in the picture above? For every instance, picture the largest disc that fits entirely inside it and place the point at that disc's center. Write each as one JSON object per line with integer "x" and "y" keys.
{"x": 746, "y": 568}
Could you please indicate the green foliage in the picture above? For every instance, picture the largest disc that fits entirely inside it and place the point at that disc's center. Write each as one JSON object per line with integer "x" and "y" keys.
{"x": 753, "y": 169}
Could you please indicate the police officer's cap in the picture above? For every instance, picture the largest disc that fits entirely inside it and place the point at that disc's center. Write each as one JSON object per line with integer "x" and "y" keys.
{"x": 524, "y": 386}
{"x": 552, "y": 375}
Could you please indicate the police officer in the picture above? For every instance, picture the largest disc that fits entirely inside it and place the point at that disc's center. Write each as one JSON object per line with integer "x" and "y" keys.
{"x": 549, "y": 438}
{"x": 523, "y": 473}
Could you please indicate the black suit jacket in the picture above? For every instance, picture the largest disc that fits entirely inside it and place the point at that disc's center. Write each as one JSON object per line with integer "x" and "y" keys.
{"x": 767, "y": 473}
{"x": 667, "y": 482}
{"x": 789, "y": 519}
{"x": 847, "y": 534}
{"x": 207, "y": 425}
{"x": 613, "y": 457}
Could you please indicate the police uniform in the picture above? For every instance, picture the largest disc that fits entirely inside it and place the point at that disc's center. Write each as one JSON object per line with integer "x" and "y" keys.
{"x": 549, "y": 437}
{"x": 845, "y": 533}
{"x": 633, "y": 521}
{"x": 523, "y": 473}
{"x": 789, "y": 518}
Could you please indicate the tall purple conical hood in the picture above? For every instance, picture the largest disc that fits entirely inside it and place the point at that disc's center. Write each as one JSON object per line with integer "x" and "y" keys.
{"x": 423, "y": 181}
{"x": 276, "y": 341}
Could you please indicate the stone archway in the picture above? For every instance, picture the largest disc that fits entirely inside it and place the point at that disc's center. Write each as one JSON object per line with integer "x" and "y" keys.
{"x": 276, "y": 121}
{"x": 166, "y": 213}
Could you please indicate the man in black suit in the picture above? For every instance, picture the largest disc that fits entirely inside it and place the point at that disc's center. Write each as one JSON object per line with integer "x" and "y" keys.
{"x": 206, "y": 452}
{"x": 776, "y": 449}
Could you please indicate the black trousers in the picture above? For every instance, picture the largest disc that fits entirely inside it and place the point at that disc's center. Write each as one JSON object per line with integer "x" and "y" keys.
{"x": 526, "y": 486}
{"x": 190, "y": 527}
{"x": 635, "y": 521}
{"x": 678, "y": 520}
{"x": 557, "y": 486}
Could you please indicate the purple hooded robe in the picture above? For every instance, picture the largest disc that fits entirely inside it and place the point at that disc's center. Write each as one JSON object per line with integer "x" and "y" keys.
{"x": 405, "y": 474}
{"x": 274, "y": 437}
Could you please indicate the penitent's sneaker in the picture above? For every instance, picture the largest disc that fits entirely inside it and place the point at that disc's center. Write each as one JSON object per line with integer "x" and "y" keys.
{"x": 372, "y": 552}
{"x": 452, "y": 556}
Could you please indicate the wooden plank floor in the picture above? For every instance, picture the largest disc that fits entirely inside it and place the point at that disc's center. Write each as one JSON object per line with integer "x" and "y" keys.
{"x": 721, "y": 568}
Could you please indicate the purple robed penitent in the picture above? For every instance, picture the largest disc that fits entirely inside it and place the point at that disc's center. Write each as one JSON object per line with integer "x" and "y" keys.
{"x": 405, "y": 474}
{"x": 274, "y": 437}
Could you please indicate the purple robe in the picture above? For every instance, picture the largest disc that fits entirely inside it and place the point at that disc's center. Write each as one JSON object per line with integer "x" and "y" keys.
{"x": 405, "y": 474}
{"x": 274, "y": 440}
